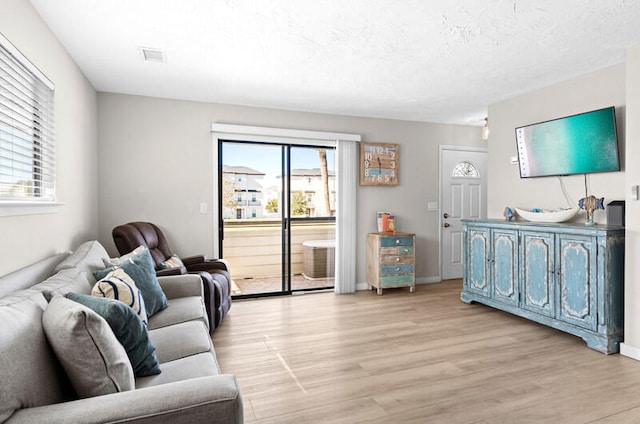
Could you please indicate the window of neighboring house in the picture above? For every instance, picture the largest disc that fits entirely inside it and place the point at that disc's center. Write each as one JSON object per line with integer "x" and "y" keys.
{"x": 253, "y": 213}
{"x": 27, "y": 145}
{"x": 239, "y": 198}
{"x": 253, "y": 198}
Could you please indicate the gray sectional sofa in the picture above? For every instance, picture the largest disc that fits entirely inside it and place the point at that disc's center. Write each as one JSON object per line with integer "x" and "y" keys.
{"x": 37, "y": 385}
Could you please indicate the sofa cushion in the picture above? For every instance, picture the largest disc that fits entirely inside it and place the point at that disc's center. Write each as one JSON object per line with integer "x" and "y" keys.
{"x": 88, "y": 257}
{"x": 30, "y": 275}
{"x": 181, "y": 340}
{"x": 128, "y": 329}
{"x": 200, "y": 365}
{"x": 30, "y": 374}
{"x": 120, "y": 286}
{"x": 141, "y": 269}
{"x": 64, "y": 281}
{"x": 182, "y": 309}
{"x": 94, "y": 360}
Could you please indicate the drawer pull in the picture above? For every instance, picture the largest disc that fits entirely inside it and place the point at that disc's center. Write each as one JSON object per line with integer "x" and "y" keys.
{"x": 397, "y": 241}
{"x": 397, "y": 259}
{"x": 398, "y": 269}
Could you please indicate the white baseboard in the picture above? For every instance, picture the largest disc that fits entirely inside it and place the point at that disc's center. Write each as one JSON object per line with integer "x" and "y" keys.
{"x": 428, "y": 280}
{"x": 630, "y": 351}
{"x": 422, "y": 280}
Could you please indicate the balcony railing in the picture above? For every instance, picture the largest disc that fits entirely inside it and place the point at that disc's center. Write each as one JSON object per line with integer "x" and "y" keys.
{"x": 253, "y": 247}
{"x": 249, "y": 202}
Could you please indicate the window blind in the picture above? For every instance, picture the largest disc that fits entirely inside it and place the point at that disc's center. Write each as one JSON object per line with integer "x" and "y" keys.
{"x": 27, "y": 144}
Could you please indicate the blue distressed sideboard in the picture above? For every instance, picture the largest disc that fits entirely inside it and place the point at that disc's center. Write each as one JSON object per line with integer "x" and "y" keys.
{"x": 567, "y": 276}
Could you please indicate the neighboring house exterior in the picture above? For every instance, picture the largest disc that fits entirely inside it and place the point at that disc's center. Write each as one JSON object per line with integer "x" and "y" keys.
{"x": 242, "y": 192}
{"x": 309, "y": 183}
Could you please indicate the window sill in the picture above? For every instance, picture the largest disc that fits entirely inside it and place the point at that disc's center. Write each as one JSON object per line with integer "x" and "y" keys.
{"x": 16, "y": 208}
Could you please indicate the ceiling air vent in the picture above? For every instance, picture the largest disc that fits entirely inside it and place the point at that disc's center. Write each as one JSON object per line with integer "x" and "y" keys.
{"x": 152, "y": 55}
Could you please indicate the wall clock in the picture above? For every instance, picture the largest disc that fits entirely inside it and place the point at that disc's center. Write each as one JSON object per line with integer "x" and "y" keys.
{"x": 379, "y": 164}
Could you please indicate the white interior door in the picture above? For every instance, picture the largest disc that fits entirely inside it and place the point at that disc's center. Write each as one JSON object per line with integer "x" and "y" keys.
{"x": 463, "y": 195}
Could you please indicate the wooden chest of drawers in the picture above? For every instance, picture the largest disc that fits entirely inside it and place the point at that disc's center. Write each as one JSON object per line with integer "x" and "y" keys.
{"x": 391, "y": 260}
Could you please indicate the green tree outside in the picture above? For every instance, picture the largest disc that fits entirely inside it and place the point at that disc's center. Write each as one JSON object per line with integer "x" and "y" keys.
{"x": 299, "y": 205}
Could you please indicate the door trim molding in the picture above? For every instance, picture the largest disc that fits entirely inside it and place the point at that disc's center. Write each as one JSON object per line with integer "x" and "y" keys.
{"x": 279, "y": 135}
{"x": 441, "y": 149}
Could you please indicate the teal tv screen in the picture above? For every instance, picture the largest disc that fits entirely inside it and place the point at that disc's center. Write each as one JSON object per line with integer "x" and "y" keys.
{"x": 577, "y": 144}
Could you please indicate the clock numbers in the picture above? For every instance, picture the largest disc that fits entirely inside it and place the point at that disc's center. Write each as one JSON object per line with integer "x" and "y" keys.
{"x": 378, "y": 164}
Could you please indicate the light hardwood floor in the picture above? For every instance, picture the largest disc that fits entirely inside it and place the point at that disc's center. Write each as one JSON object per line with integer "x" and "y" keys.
{"x": 424, "y": 357}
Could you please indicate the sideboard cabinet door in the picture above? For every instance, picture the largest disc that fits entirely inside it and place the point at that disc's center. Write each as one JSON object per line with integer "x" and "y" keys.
{"x": 538, "y": 272}
{"x": 478, "y": 278}
{"x": 577, "y": 275}
{"x": 504, "y": 260}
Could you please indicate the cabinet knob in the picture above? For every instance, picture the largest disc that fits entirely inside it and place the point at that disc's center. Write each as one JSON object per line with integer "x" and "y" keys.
{"x": 445, "y": 216}
{"x": 397, "y": 259}
{"x": 397, "y": 241}
{"x": 446, "y": 225}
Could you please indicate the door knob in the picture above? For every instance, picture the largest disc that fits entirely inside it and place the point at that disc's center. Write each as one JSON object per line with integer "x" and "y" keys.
{"x": 446, "y": 225}
{"x": 445, "y": 216}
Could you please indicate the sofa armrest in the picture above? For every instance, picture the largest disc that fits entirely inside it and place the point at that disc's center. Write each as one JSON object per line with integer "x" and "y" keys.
{"x": 195, "y": 259}
{"x": 185, "y": 285}
{"x": 206, "y": 266}
{"x": 190, "y": 401}
{"x": 201, "y": 263}
{"x": 171, "y": 271}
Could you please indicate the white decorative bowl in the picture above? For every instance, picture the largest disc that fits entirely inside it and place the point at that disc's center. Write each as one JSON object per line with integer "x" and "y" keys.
{"x": 557, "y": 216}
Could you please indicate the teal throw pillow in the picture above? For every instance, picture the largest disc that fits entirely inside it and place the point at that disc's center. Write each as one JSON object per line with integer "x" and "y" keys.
{"x": 141, "y": 269}
{"x": 128, "y": 329}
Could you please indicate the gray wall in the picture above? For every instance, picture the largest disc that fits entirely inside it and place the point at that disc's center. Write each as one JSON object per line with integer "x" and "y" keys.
{"x": 618, "y": 86}
{"x": 592, "y": 91}
{"x": 26, "y": 239}
{"x": 632, "y": 209}
{"x": 155, "y": 164}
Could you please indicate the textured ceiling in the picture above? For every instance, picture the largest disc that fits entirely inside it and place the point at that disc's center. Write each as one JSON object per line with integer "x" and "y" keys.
{"x": 423, "y": 60}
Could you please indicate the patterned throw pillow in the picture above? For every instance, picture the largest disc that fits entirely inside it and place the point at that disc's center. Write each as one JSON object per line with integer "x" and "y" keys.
{"x": 141, "y": 269}
{"x": 120, "y": 286}
{"x": 173, "y": 262}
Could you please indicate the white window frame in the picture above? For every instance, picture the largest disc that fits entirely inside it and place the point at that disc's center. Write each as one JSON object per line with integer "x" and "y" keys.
{"x": 26, "y": 131}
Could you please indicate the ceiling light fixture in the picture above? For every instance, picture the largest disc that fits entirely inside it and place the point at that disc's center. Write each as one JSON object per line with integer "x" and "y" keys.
{"x": 485, "y": 130}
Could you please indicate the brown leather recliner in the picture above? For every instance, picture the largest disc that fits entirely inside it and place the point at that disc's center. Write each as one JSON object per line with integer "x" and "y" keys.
{"x": 214, "y": 273}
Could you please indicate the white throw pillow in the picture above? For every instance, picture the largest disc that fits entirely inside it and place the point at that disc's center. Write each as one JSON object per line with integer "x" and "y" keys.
{"x": 122, "y": 259}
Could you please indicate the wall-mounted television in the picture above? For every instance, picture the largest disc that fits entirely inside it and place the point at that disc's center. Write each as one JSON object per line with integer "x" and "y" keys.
{"x": 577, "y": 144}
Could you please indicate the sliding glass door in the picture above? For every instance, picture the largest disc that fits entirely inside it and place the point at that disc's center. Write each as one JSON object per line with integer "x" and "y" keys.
{"x": 277, "y": 215}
